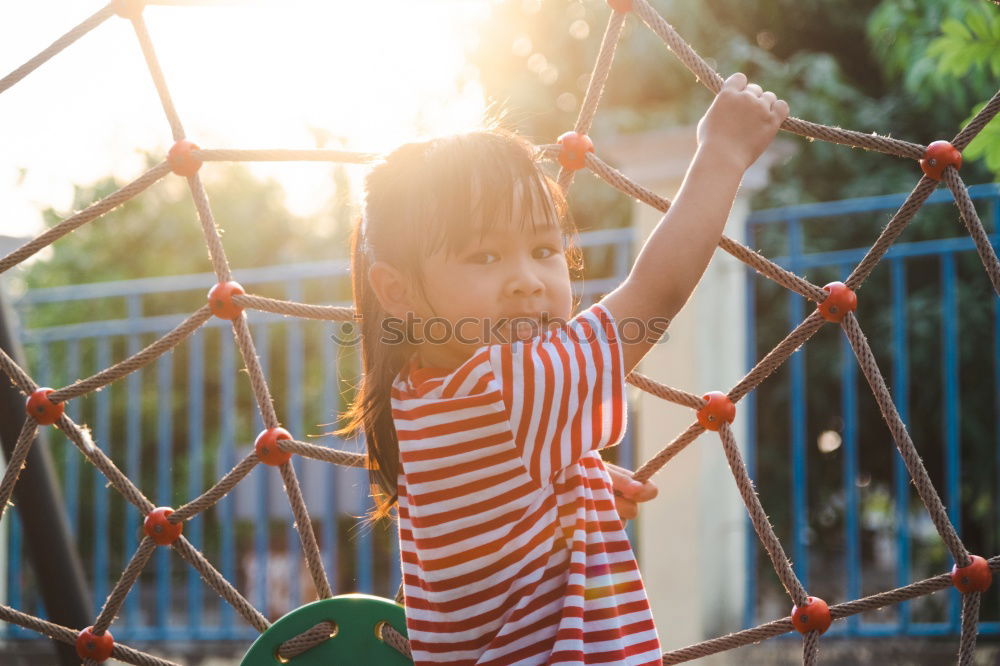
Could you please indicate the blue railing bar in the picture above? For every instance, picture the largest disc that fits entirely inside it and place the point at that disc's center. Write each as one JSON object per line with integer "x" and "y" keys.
{"x": 72, "y": 479}
{"x": 331, "y": 398}
{"x": 915, "y": 249}
{"x": 159, "y": 325}
{"x": 133, "y": 467}
{"x": 293, "y": 417}
{"x": 750, "y": 414}
{"x": 245, "y": 276}
{"x": 861, "y": 205}
{"x": 102, "y": 431}
{"x": 14, "y": 591}
{"x": 364, "y": 546}
{"x": 901, "y": 396}
{"x": 849, "y": 396}
{"x": 164, "y": 421}
{"x": 952, "y": 435}
{"x": 46, "y": 379}
{"x": 995, "y": 205}
{"x": 195, "y": 399}
{"x": 227, "y": 459}
{"x": 262, "y": 528}
{"x": 180, "y": 283}
{"x": 800, "y": 499}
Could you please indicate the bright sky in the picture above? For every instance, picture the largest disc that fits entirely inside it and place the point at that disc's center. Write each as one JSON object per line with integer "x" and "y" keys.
{"x": 261, "y": 74}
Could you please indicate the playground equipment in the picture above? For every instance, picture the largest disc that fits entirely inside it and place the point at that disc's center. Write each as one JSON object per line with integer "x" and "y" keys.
{"x": 317, "y": 629}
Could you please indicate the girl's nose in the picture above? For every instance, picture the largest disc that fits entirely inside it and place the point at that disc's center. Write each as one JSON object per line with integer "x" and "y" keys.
{"x": 524, "y": 282}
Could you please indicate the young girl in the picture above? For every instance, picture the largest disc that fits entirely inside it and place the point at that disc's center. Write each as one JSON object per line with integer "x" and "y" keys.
{"x": 484, "y": 403}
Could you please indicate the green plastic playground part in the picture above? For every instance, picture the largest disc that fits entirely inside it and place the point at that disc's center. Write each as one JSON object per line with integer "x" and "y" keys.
{"x": 358, "y": 619}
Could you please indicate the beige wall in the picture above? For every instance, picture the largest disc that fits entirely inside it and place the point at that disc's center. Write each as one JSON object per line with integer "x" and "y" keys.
{"x": 692, "y": 537}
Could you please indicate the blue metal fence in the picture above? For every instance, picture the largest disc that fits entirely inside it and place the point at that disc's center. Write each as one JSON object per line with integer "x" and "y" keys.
{"x": 201, "y": 426}
{"x": 791, "y": 234}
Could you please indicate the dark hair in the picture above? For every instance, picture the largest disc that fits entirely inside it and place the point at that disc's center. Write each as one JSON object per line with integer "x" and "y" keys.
{"x": 421, "y": 197}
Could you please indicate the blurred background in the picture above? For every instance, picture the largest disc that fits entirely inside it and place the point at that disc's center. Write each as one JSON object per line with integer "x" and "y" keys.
{"x": 367, "y": 76}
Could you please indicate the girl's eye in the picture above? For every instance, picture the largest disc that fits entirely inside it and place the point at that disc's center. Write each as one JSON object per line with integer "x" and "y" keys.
{"x": 545, "y": 251}
{"x": 483, "y": 257}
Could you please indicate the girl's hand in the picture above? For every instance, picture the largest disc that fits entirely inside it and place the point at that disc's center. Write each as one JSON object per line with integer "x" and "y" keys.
{"x": 629, "y": 492}
{"x": 742, "y": 120}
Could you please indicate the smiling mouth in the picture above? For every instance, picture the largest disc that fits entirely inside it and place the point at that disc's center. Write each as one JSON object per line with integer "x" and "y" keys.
{"x": 525, "y": 327}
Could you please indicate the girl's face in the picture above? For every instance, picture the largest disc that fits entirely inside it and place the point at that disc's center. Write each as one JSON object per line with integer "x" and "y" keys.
{"x": 517, "y": 270}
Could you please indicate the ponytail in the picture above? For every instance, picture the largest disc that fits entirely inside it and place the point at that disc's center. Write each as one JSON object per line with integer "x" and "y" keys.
{"x": 371, "y": 412}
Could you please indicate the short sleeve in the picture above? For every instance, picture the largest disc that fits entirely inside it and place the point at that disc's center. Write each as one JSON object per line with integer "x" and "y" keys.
{"x": 564, "y": 391}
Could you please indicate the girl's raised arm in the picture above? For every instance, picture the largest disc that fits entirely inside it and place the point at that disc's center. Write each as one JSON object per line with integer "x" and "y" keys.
{"x": 735, "y": 130}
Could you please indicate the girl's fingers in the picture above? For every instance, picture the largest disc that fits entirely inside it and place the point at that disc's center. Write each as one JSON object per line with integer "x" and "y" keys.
{"x": 737, "y": 82}
{"x": 769, "y": 99}
{"x": 780, "y": 107}
{"x": 755, "y": 89}
{"x": 627, "y": 509}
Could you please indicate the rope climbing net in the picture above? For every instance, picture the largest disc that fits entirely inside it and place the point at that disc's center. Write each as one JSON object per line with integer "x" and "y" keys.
{"x": 836, "y": 302}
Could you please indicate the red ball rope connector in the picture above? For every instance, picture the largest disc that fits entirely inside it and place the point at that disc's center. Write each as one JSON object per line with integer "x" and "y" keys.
{"x": 623, "y": 6}
{"x": 159, "y": 529}
{"x": 719, "y": 408}
{"x": 267, "y": 447}
{"x": 43, "y": 410}
{"x": 814, "y": 616}
{"x": 940, "y": 154}
{"x": 976, "y": 577}
{"x": 129, "y": 9}
{"x": 180, "y": 159}
{"x": 220, "y": 300}
{"x": 575, "y": 147}
{"x": 91, "y": 646}
{"x": 841, "y": 300}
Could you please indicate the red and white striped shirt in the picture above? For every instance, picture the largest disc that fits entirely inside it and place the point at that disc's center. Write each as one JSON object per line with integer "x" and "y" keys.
{"x": 512, "y": 550}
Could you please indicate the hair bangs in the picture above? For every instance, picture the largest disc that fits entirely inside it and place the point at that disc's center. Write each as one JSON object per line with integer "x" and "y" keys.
{"x": 504, "y": 186}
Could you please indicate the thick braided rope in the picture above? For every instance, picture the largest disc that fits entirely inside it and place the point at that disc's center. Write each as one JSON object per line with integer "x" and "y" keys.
{"x": 759, "y": 519}
{"x": 216, "y": 492}
{"x": 595, "y": 88}
{"x": 68, "y": 636}
{"x": 303, "y": 310}
{"x": 96, "y": 19}
{"x": 139, "y": 360}
{"x": 335, "y": 456}
{"x": 307, "y": 640}
{"x": 925, "y": 488}
{"x": 976, "y": 125}
{"x": 324, "y": 631}
{"x": 664, "y": 392}
{"x": 759, "y": 263}
{"x": 153, "y": 64}
{"x": 83, "y": 441}
{"x": 15, "y": 464}
{"x": 837, "y": 612}
{"x": 219, "y": 583}
{"x": 314, "y": 560}
{"x": 279, "y": 155}
{"x": 969, "y": 216}
{"x": 914, "y": 200}
{"x": 93, "y": 211}
{"x": 117, "y": 597}
{"x": 258, "y": 383}
{"x": 970, "y": 618}
{"x": 713, "y": 81}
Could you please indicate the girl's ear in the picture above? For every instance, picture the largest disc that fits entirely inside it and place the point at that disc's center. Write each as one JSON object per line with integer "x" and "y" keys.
{"x": 391, "y": 288}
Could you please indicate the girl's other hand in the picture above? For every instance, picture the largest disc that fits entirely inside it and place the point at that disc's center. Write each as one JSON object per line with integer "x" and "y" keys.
{"x": 629, "y": 492}
{"x": 742, "y": 120}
